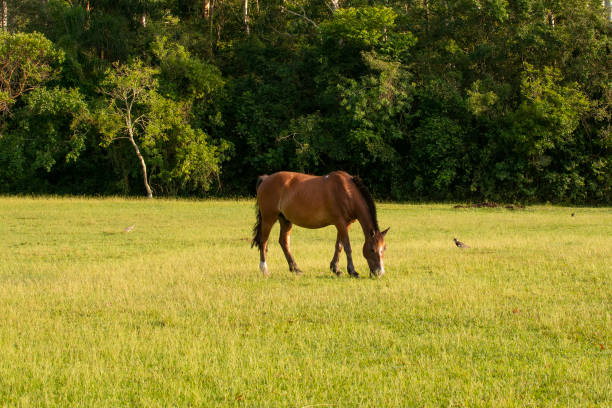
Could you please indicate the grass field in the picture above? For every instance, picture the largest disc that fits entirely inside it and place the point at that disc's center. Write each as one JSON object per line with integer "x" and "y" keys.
{"x": 176, "y": 313}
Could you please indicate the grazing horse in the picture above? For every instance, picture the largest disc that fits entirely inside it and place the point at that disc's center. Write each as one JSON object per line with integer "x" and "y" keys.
{"x": 314, "y": 202}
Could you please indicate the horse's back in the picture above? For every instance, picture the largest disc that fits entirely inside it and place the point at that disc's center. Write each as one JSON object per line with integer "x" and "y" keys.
{"x": 278, "y": 182}
{"x": 306, "y": 200}
{"x": 284, "y": 182}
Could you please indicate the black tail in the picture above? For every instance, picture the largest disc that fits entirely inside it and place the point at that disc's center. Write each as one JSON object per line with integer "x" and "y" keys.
{"x": 257, "y": 227}
{"x": 259, "y": 180}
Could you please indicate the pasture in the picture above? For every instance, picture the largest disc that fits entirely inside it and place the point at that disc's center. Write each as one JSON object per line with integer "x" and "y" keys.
{"x": 176, "y": 312}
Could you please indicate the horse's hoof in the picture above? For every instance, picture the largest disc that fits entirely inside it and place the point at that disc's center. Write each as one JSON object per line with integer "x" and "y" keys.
{"x": 334, "y": 268}
{"x": 354, "y": 275}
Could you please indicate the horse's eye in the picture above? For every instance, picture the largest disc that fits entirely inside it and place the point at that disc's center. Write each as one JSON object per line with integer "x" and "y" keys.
{"x": 373, "y": 251}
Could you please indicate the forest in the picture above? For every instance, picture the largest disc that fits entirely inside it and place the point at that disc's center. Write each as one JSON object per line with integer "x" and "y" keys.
{"x": 465, "y": 100}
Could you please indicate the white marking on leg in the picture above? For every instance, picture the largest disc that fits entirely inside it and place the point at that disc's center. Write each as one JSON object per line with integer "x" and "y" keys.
{"x": 263, "y": 267}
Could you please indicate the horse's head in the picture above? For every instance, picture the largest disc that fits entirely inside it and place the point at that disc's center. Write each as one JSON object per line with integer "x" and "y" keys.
{"x": 374, "y": 252}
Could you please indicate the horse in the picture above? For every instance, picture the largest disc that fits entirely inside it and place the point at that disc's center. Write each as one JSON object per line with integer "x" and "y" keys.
{"x": 308, "y": 201}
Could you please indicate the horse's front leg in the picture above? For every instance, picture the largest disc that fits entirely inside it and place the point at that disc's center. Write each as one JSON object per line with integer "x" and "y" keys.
{"x": 334, "y": 262}
{"x": 284, "y": 239}
{"x": 343, "y": 232}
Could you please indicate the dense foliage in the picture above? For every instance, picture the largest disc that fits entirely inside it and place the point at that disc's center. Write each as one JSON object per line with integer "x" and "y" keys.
{"x": 506, "y": 100}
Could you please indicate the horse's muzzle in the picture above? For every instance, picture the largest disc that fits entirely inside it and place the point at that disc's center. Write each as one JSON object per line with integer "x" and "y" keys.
{"x": 377, "y": 273}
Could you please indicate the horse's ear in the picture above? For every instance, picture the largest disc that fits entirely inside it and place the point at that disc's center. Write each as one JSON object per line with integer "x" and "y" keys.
{"x": 385, "y": 231}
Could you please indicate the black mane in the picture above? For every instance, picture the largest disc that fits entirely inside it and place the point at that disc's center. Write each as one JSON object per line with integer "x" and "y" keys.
{"x": 368, "y": 199}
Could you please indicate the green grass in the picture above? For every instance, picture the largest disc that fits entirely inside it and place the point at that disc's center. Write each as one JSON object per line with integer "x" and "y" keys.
{"x": 176, "y": 313}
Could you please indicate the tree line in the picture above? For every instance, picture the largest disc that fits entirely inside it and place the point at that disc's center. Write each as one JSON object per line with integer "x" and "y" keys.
{"x": 501, "y": 100}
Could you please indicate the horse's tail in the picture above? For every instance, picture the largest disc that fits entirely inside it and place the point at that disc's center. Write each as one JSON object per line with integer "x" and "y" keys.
{"x": 259, "y": 180}
{"x": 257, "y": 227}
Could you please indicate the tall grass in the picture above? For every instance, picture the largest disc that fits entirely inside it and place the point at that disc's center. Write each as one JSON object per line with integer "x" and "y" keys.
{"x": 176, "y": 313}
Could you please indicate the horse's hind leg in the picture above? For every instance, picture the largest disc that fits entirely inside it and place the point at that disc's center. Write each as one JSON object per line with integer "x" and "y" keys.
{"x": 266, "y": 227}
{"x": 284, "y": 239}
{"x": 334, "y": 262}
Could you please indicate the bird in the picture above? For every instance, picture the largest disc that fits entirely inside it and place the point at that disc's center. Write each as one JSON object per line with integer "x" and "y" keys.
{"x": 460, "y": 244}
{"x": 128, "y": 229}
{"x": 573, "y": 214}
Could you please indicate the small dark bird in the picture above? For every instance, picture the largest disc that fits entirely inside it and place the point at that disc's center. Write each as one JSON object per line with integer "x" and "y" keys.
{"x": 128, "y": 229}
{"x": 573, "y": 214}
{"x": 460, "y": 244}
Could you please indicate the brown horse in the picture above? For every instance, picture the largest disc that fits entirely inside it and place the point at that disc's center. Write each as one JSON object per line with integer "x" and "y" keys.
{"x": 314, "y": 202}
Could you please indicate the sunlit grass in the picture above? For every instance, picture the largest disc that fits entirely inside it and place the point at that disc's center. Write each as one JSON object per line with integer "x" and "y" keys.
{"x": 175, "y": 313}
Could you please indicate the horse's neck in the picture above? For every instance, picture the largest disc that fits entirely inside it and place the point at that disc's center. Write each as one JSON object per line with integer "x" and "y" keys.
{"x": 364, "y": 217}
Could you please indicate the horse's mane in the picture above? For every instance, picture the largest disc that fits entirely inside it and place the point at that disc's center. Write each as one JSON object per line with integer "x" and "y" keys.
{"x": 365, "y": 193}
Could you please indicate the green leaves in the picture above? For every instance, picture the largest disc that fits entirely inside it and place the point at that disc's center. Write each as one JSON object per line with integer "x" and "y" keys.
{"x": 363, "y": 26}
{"x": 367, "y": 28}
{"x": 177, "y": 155}
{"x": 551, "y": 112}
{"x": 49, "y": 131}
{"x": 466, "y": 99}
{"x": 438, "y": 157}
{"x": 27, "y": 61}
{"x": 185, "y": 76}
{"x": 61, "y": 114}
{"x": 480, "y": 100}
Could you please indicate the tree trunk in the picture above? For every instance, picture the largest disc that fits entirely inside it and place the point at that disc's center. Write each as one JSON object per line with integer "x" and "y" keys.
{"x": 206, "y": 8}
{"x": 142, "y": 162}
{"x": 427, "y": 17}
{"x": 88, "y": 9}
{"x": 550, "y": 18}
{"x": 246, "y": 17}
{"x": 4, "y": 15}
{"x": 335, "y": 5}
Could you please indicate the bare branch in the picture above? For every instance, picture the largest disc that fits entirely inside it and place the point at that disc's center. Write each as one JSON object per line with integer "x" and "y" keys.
{"x": 140, "y": 121}
{"x": 303, "y": 15}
